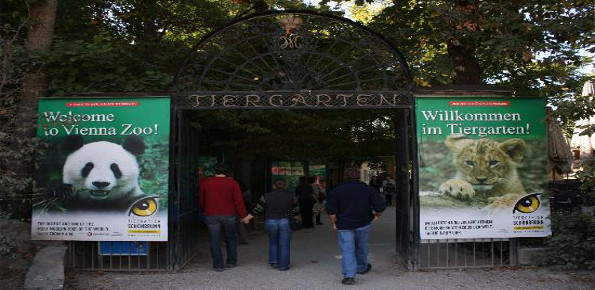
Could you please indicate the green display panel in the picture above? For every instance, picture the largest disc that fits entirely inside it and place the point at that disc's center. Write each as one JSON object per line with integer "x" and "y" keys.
{"x": 104, "y": 169}
{"x": 483, "y": 167}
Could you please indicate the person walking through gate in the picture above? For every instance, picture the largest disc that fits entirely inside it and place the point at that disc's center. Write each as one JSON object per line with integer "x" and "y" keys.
{"x": 318, "y": 199}
{"x": 388, "y": 189}
{"x": 220, "y": 201}
{"x": 305, "y": 195}
{"x": 376, "y": 182}
{"x": 278, "y": 205}
{"x": 352, "y": 206}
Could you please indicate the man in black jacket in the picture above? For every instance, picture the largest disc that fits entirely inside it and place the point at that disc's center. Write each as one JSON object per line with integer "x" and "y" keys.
{"x": 352, "y": 206}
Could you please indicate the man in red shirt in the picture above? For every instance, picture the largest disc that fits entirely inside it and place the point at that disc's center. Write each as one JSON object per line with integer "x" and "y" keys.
{"x": 221, "y": 203}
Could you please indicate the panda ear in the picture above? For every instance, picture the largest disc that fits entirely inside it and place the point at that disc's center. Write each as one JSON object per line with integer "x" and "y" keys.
{"x": 72, "y": 143}
{"x": 134, "y": 144}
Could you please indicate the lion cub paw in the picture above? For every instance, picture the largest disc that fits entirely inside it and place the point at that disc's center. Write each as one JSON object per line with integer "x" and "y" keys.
{"x": 457, "y": 188}
{"x": 505, "y": 201}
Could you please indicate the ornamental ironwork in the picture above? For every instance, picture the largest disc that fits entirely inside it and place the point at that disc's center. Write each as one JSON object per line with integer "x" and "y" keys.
{"x": 293, "y": 51}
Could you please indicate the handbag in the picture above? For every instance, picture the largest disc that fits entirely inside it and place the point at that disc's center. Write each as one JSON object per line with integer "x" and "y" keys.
{"x": 294, "y": 223}
{"x": 318, "y": 208}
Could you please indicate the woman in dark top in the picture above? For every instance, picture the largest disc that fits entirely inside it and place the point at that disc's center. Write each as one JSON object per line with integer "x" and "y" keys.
{"x": 277, "y": 205}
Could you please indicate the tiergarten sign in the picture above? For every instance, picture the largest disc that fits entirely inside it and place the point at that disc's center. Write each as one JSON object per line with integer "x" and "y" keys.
{"x": 303, "y": 100}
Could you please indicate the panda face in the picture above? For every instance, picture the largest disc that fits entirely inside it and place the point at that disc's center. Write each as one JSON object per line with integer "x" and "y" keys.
{"x": 106, "y": 170}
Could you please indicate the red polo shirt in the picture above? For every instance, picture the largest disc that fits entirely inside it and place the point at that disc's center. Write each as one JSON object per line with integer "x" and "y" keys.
{"x": 221, "y": 196}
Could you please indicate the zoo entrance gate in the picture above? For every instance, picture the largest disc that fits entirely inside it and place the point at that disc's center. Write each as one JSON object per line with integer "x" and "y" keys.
{"x": 183, "y": 203}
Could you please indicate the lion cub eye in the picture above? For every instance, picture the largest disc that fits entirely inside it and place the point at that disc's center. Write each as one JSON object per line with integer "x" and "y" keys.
{"x": 470, "y": 163}
{"x": 493, "y": 162}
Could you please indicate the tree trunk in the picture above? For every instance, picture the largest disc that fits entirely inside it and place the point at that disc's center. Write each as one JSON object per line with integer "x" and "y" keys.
{"x": 461, "y": 49}
{"x": 35, "y": 84}
{"x": 466, "y": 66}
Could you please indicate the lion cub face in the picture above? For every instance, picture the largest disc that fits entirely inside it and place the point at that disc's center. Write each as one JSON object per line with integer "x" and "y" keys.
{"x": 484, "y": 165}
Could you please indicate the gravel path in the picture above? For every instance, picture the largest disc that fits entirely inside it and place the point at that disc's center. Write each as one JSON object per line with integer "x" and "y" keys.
{"x": 316, "y": 264}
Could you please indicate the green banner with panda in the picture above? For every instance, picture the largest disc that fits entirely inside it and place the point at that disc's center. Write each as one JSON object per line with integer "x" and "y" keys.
{"x": 103, "y": 169}
{"x": 483, "y": 167}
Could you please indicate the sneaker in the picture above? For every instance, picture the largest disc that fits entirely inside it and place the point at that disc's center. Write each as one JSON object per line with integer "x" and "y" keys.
{"x": 348, "y": 281}
{"x": 274, "y": 265}
{"x": 368, "y": 268}
{"x": 231, "y": 265}
{"x": 218, "y": 269}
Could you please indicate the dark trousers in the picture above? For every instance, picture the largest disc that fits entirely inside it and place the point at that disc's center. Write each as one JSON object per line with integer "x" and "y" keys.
{"x": 228, "y": 224}
{"x": 389, "y": 199}
{"x": 307, "y": 213}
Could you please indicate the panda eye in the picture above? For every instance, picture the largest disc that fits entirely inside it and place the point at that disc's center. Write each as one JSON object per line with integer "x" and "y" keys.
{"x": 493, "y": 162}
{"x": 470, "y": 163}
{"x": 144, "y": 207}
{"x": 87, "y": 169}
{"x": 116, "y": 170}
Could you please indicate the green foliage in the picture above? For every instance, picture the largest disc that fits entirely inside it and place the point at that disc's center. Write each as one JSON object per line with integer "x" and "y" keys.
{"x": 572, "y": 242}
{"x": 7, "y": 245}
{"x": 7, "y": 242}
{"x": 529, "y": 46}
{"x": 154, "y": 167}
{"x": 131, "y": 45}
{"x": 104, "y": 64}
{"x": 572, "y": 107}
{"x": 14, "y": 190}
{"x": 587, "y": 175}
{"x": 365, "y": 12}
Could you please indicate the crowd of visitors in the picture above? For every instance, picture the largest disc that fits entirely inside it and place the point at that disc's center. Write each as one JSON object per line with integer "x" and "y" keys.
{"x": 352, "y": 206}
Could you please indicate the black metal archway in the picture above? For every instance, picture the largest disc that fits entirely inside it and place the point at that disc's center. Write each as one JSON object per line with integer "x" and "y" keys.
{"x": 291, "y": 59}
{"x": 293, "y": 50}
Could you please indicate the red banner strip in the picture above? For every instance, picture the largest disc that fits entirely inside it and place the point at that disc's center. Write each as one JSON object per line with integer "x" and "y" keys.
{"x": 102, "y": 104}
{"x": 479, "y": 104}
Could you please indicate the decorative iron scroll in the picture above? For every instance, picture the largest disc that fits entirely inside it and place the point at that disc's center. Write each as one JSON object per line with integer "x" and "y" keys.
{"x": 293, "y": 50}
{"x": 295, "y": 100}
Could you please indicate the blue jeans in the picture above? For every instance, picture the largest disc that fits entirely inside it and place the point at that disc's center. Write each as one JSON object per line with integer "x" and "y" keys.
{"x": 279, "y": 232}
{"x": 228, "y": 224}
{"x": 354, "y": 249}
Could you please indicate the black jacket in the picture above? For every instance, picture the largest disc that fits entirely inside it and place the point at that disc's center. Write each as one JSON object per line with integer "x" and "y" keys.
{"x": 353, "y": 203}
{"x": 276, "y": 204}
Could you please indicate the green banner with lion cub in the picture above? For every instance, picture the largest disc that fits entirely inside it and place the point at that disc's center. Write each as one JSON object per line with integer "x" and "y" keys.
{"x": 483, "y": 167}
